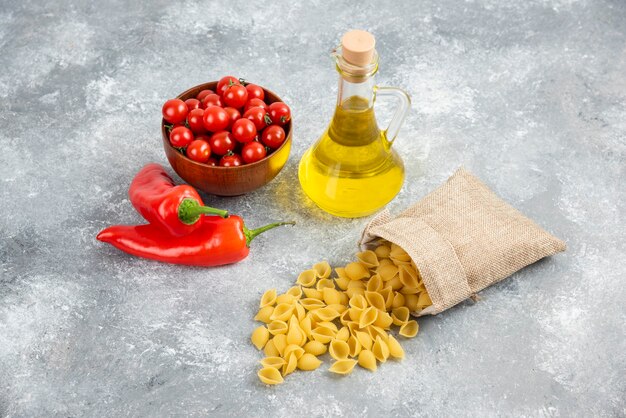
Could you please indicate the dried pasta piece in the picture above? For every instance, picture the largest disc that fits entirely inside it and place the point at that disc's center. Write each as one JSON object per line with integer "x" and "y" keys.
{"x": 282, "y": 312}
{"x": 285, "y": 299}
{"x": 268, "y": 298}
{"x": 409, "y": 290}
{"x": 355, "y": 314}
{"x": 300, "y": 311}
{"x": 342, "y": 282}
{"x": 277, "y": 327}
{"x": 324, "y": 283}
{"x": 356, "y": 284}
{"x": 374, "y": 284}
{"x": 382, "y": 251}
{"x": 341, "y": 272}
{"x": 308, "y": 362}
{"x": 344, "y": 299}
{"x": 380, "y": 350}
{"x": 259, "y": 337}
{"x": 280, "y": 342}
{"x": 384, "y": 320}
{"x": 410, "y": 329}
{"x": 356, "y": 271}
{"x": 375, "y": 300}
{"x": 295, "y": 335}
{"x": 264, "y": 314}
{"x": 306, "y": 326}
{"x": 343, "y": 334}
{"x": 339, "y": 349}
{"x": 387, "y": 294}
{"x": 398, "y": 300}
{"x": 367, "y": 360}
{"x": 293, "y": 349}
{"x": 270, "y": 376}
{"x": 387, "y": 272}
{"x": 397, "y": 254}
{"x": 411, "y": 301}
{"x": 376, "y": 332}
{"x": 274, "y": 361}
{"x": 322, "y": 270}
{"x": 355, "y": 291}
{"x": 395, "y": 283}
{"x": 311, "y": 304}
{"x": 290, "y": 366}
{"x": 295, "y": 291}
{"x": 307, "y": 278}
{"x": 315, "y": 347}
{"x": 424, "y": 301}
{"x": 312, "y": 293}
{"x": 354, "y": 345}
{"x": 368, "y": 317}
{"x": 385, "y": 262}
{"x": 407, "y": 276}
{"x": 270, "y": 349}
{"x": 365, "y": 339}
{"x": 338, "y": 307}
{"x": 344, "y": 318}
{"x": 358, "y": 302}
{"x": 331, "y": 296}
{"x": 400, "y": 315}
{"x": 353, "y": 326}
{"x": 326, "y": 314}
{"x": 322, "y": 334}
{"x": 395, "y": 349}
{"x": 344, "y": 366}
{"x": 368, "y": 258}
{"x": 330, "y": 325}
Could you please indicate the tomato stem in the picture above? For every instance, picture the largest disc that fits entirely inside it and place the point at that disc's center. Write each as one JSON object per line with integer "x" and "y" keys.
{"x": 252, "y": 233}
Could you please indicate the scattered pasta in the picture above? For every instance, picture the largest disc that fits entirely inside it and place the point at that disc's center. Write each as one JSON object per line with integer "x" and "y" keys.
{"x": 349, "y": 316}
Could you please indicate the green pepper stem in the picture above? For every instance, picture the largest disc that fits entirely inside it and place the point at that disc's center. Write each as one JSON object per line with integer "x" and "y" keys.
{"x": 190, "y": 210}
{"x": 252, "y": 233}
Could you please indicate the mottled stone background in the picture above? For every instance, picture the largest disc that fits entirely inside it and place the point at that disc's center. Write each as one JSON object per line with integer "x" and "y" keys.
{"x": 529, "y": 95}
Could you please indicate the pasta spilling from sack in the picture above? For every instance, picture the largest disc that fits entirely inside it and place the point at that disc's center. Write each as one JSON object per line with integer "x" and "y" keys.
{"x": 349, "y": 316}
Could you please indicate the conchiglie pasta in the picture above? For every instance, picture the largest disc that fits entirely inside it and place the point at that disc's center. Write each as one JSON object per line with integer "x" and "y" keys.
{"x": 270, "y": 349}
{"x": 343, "y": 366}
{"x": 323, "y": 283}
{"x": 368, "y": 259}
{"x": 387, "y": 272}
{"x": 375, "y": 300}
{"x": 264, "y": 314}
{"x": 374, "y": 284}
{"x": 400, "y": 315}
{"x": 410, "y": 329}
{"x": 322, "y": 269}
{"x": 259, "y": 337}
{"x": 356, "y": 271}
{"x": 339, "y": 349}
{"x": 280, "y": 342}
{"x": 368, "y": 317}
{"x": 343, "y": 334}
{"x": 331, "y": 296}
{"x": 315, "y": 347}
{"x": 382, "y": 251}
{"x": 277, "y": 327}
{"x": 270, "y": 376}
{"x": 290, "y": 366}
{"x": 282, "y": 312}
{"x": 293, "y": 349}
{"x": 354, "y": 345}
{"x": 311, "y": 293}
{"x": 276, "y": 362}
{"x": 395, "y": 349}
{"x": 311, "y": 304}
{"x": 342, "y": 282}
{"x": 380, "y": 350}
{"x": 268, "y": 298}
{"x": 308, "y": 362}
{"x": 367, "y": 360}
{"x": 307, "y": 278}
{"x": 285, "y": 299}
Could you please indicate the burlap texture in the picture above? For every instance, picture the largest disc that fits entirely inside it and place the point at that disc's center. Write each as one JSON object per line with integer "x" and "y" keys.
{"x": 463, "y": 238}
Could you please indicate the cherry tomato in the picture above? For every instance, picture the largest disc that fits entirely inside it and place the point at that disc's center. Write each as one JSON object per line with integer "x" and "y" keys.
{"x": 212, "y": 162}
{"x": 215, "y": 119}
{"x": 195, "y": 121}
{"x": 235, "y": 96}
{"x": 231, "y": 160}
{"x": 253, "y": 152}
{"x": 212, "y": 100}
{"x": 199, "y": 151}
{"x": 244, "y": 130}
{"x": 174, "y": 111}
{"x": 222, "y": 143}
{"x": 273, "y": 136}
{"x": 233, "y": 115}
{"x": 255, "y": 91}
{"x": 226, "y": 82}
{"x": 192, "y": 104}
{"x": 254, "y": 102}
{"x": 258, "y": 116}
{"x": 204, "y": 93}
{"x": 280, "y": 113}
{"x": 180, "y": 137}
{"x": 204, "y": 137}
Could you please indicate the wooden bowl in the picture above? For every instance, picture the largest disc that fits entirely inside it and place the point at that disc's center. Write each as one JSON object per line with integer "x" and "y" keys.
{"x": 227, "y": 181}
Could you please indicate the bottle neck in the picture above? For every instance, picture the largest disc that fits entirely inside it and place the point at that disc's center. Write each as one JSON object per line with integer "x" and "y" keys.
{"x": 355, "y": 95}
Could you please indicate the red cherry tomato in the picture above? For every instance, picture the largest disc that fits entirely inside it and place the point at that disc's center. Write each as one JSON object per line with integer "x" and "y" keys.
{"x": 226, "y": 82}
{"x": 273, "y": 136}
{"x": 204, "y": 93}
{"x": 256, "y": 103}
{"x": 174, "y": 111}
{"x": 244, "y": 130}
{"x": 235, "y": 96}
{"x": 204, "y": 137}
{"x": 212, "y": 100}
{"x": 180, "y": 137}
{"x": 195, "y": 121}
{"x": 255, "y": 92}
{"x": 199, "y": 151}
{"x": 212, "y": 162}
{"x": 280, "y": 113}
{"x": 231, "y": 160}
{"x": 215, "y": 119}
{"x": 192, "y": 104}
{"x": 258, "y": 116}
{"x": 253, "y": 152}
{"x": 233, "y": 115}
{"x": 222, "y": 143}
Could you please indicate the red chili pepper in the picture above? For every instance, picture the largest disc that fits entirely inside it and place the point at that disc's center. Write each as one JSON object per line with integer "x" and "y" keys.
{"x": 216, "y": 242}
{"x": 175, "y": 209}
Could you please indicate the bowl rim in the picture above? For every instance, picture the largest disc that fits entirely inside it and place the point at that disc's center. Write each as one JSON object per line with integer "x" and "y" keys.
{"x": 264, "y": 159}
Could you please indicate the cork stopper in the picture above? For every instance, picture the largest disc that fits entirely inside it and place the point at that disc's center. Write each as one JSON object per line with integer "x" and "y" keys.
{"x": 357, "y": 47}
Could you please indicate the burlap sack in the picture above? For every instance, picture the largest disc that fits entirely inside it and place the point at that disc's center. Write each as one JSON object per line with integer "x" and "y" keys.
{"x": 463, "y": 238}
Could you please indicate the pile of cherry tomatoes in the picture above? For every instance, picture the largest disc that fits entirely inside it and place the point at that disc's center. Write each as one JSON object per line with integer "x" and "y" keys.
{"x": 228, "y": 127}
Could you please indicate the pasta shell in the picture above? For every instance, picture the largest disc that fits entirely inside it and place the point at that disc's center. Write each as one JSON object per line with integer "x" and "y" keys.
{"x": 285, "y": 299}
{"x": 270, "y": 349}
{"x": 339, "y": 349}
{"x": 311, "y": 304}
{"x": 395, "y": 283}
{"x": 293, "y": 349}
{"x": 410, "y": 301}
{"x": 368, "y": 258}
{"x": 326, "y": 314}
{"x": 274, "y": 361}
{"x": 277, "y": 327}
{"x": 375, "y": 300}
{"x": 343, "y": 334}
{"x": 330, "y": 325}
{"x": 354, "y": 345}
{"x": 315, "y": 347}
{"x": 356, "y": 271}
{"x": 387, "y": 294}
{"x": 341, "y": 273}
{"x": 307, "y": 278}
{"x": 397, "y": 253}
{"x": 305, "y": 325}
{"x": 282, "y": 312}
{"x": 355, "y": 314}
{"x": 353, "y": 326}
{"x": 344, "y": 299}
{"x": 365, "y": 339}
{"x": 268, "y": 298}
{"x": 295, "y": 334}
{"x": 342, "y": 282}
{"x": 295, "y": 291}
{"x": 376, "y": 332}
{"x": 312, "y": 293}
{"x": 290, "y": 366}
{"x": 384, "y": 320}
{"x": 382, "y": 251}
{"x": 380, "y": 350}
{"x": 343, "y": 366}
{"x": 345, "y": 317}
{"x": 270, "y": 376}
{"x": 308, "y": 362}
{"x": 384, "y": 262}
{"x": 338, "y": 307}
{"x": 355, "y": 291}
{"x": 367, "y": 360}
{"x": 408, "y": 276}
{"x": 387, "y": 272}
{"x": 300, "y": 311}
{"x": 358, "y": 302}
{"x": 331, "y": 296}
{"x": 280, "y": 342}
{"x": 322, "y": 270}
{"x": 398, "y": 300}
{"x": 424, "y": 301}
{"x": 264, "y": 314}
{"x": 400, "y": 315}
{"x": 356, "y": 284}
{"x": 368, "y": 317}
{"x": 374, "y": 284}
{"x": 410, "y": 329}
{"x": 409, "y": 290}
{"x": 323, "y": 283}
{"x": 395, "y": 349}
{"x": 322, "y": 334}
{"x": 259, "y": 337}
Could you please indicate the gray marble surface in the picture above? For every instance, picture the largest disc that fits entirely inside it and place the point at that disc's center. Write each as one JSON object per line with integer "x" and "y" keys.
{"x": 529, "y": 95}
